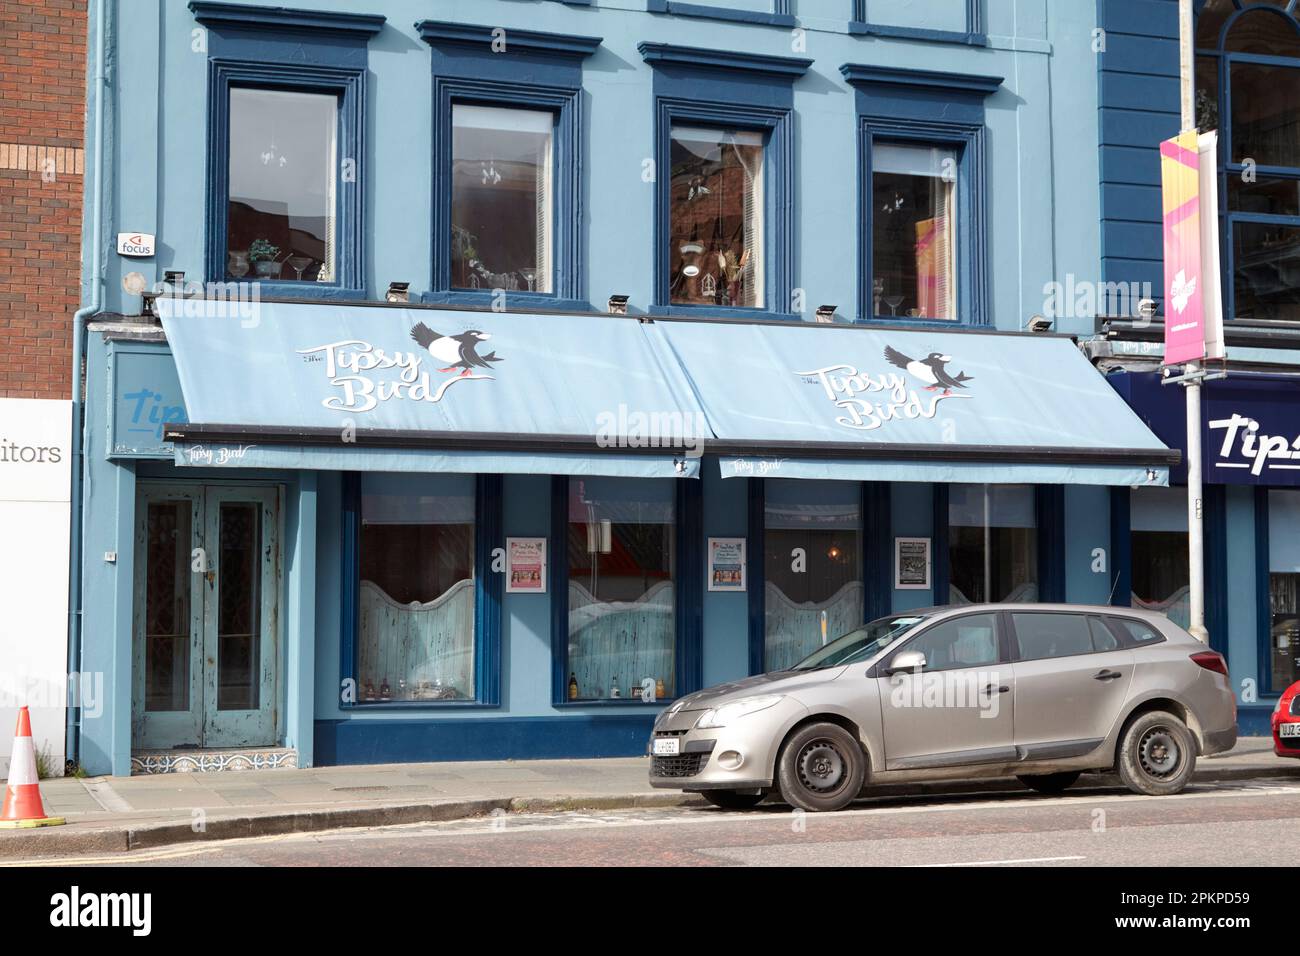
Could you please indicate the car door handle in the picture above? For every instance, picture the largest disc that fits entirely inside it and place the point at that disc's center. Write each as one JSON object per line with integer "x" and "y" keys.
{"x": 1107, "y": 675}
{"x": 1004, "y": 689}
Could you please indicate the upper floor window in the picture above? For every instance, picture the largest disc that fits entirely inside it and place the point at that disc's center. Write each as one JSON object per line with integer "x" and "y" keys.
{"x": 1248, "y": 88}
{"x": 716, "y": 217}
{"x": 286, "y": 147}
{"x": 502, "y": 198}
{"x": 914, "y": 231}
{"x": 282, "y": 209}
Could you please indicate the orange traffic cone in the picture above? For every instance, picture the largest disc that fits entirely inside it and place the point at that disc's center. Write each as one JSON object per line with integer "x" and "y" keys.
{"x": 23, "y": 806}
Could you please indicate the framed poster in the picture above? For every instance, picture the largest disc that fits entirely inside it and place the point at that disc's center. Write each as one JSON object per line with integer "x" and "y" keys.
{"x": 911, "y": 564}
{"x": 726, "y": 564}
{"x": 525, "y": 565}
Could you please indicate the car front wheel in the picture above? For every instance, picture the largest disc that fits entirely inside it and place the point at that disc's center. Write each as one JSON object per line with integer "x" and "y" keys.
{"x": 1157, "y": 754}
{"x": 821, "y": 767}
{"x": 732, "y": 799}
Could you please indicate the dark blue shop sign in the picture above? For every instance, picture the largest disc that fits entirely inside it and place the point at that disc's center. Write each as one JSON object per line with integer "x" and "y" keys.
{"x": 1250, "y": 424}
{"x": 146, "y": 397}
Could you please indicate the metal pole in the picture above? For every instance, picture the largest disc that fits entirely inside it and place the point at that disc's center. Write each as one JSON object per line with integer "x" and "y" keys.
{"x": 1195, "y": 511}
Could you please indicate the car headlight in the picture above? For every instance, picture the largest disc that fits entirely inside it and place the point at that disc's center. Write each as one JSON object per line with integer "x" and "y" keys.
{"x": 722, "y": 716}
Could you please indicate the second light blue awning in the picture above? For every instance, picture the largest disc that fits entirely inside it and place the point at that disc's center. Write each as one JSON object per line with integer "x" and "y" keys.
{"x": 349, "y": 387}
{"x": 864, "y": 403}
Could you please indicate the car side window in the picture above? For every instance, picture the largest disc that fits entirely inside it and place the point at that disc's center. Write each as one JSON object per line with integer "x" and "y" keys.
{"x": 1103, "y": 638}
{"x": 1044, "y": 634}
{"x": 969, "y": 641}
{"x": 1138, "y": 632}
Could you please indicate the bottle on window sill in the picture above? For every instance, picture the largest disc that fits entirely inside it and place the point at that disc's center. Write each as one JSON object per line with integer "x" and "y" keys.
{"x": 573, "y": 686}
{"x": 660, "y": 692}
{"x": 614, "y": 692}
{"x": 385, "y": 692}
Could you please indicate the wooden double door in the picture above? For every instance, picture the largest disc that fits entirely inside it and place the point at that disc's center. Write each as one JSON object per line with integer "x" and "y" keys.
{"x": 207, "y": 646}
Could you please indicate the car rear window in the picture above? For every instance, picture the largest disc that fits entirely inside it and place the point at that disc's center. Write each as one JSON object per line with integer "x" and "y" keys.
{"x": 1136, "y": 632}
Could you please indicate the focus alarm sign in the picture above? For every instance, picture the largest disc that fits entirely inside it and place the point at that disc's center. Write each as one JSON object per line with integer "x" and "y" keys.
{"x": 135, "y": 244}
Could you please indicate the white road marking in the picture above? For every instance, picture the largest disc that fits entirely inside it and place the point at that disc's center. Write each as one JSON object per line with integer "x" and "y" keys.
{"x": 582, "y": 820}
{"x": 1035, "y": 859}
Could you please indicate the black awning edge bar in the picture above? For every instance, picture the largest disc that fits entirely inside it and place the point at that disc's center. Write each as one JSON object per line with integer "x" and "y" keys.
{"x": 588, "y": 444}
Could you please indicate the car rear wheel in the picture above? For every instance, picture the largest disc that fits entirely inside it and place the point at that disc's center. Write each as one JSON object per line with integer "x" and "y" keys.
{"x": 732, "y": 799}
{"x": 821, "y": 767}
{"x": 1049, "y": 782}
{"x": 1157, "y": 754}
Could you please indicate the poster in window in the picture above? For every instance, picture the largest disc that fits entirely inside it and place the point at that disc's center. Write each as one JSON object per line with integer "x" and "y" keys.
{"x": 526, "y": 565}
{"x": 726, "y": 564}
{"x": 912, "y": 564}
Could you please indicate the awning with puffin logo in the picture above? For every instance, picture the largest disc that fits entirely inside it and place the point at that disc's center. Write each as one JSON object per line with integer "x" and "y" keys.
{"x": 365, "y": 388}
{"x": 356, "y": 387}
{"x": 869, "y": 404}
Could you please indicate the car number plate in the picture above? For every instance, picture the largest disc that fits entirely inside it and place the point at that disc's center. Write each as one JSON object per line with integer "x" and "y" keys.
{"x": 1289, "y": 730}
{"x": 671, "y": 746}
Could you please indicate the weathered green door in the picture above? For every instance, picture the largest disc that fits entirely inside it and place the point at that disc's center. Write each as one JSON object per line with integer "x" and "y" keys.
{"x": 206, "y": 617}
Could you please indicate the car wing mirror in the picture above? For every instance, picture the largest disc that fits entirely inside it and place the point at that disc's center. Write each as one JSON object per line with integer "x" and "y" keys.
{"x": 905, "y": 661}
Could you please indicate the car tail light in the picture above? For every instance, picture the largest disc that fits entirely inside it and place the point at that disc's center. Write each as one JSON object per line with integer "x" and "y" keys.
{"x": 1212, "y": 661}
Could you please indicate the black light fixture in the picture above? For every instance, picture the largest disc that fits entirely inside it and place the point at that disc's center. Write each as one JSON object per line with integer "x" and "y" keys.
{"x": 825, "y": 313}
{"x": 174, "y": 282}
{"x": 398, "y": 292}
{"x": 1039, "y": 323}
{"x": 618, "y": 304}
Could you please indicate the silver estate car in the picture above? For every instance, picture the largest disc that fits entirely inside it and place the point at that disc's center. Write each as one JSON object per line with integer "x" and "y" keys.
{"x": 1042, "y": 692}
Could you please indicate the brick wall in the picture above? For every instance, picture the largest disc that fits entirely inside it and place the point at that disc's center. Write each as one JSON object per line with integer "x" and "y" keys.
{"x": 42, "y": 115}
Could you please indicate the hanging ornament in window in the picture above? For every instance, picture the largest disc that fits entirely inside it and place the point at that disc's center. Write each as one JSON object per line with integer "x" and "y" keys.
{"x": 490, "y": 174}
{"x": 709, "y": 286}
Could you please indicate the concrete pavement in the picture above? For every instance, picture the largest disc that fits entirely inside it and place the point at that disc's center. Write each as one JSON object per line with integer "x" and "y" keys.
{"x": 115, "y": 814}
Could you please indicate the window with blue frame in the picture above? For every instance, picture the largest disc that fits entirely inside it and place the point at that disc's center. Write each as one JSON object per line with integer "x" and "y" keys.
{"x": 507, "y": 197}
{"x": 1283, "y": 587}
{"x": 421, "y": 619}
{"x": 724, "y": 221}
{"x": 620, "y": 593}
{"x": 1248, "y": 88}
{"x": 948, "y": 21}
{"x": 922, "y": 202}
{"x": 285, "y": 190}
{"x": 992, "y": 541}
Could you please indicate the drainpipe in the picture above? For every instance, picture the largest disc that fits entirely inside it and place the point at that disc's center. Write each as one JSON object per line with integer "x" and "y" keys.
{"x": 100, "y": 85}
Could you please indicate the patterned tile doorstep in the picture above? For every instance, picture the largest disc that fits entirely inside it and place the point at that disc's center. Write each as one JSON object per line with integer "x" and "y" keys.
{"x": 209, "y": 761}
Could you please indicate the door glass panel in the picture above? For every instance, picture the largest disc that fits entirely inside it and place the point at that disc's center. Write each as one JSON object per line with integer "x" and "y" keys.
{"x": 969, "y": 641}
{"x": 1044, "y": 636}
{"x": 167, "y": 606}
{"x": 239, "y": 603}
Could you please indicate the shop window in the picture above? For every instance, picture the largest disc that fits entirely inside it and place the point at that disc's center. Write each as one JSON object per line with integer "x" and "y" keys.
{"x": 992, "y": 544}
{"x": 1284, "y": 587}
{"x": 502, "y": 184}
{"x": 1160, "y": 577}
{"x": 812, "y": 567}
{"x": 415, "y": 638}
{"x": 1248, "y": 88}
{"x": 914, "y": 231}
{"x": 716, "y": 243}
{"x": 282, "y": 212}
{"x": 621, "y": 594}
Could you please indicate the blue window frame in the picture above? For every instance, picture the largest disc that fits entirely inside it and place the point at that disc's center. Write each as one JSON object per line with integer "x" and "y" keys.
{"x": 622, "y": 519}
{"x": 771, "y": 13}
{"x": 542, "y": 74}
{"x": 291, "y": 52}
{"x": 1248, "y": 88}
{"x": 970, "y": 11}
{"x": 745, "y": 93}
{"x": 927, "y": 109}
{"x": 430, "y": 513}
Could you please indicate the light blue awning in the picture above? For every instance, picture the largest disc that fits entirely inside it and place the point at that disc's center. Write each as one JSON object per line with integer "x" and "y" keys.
{"x": 859, "y": 403}
{"x": 335, "y": 387}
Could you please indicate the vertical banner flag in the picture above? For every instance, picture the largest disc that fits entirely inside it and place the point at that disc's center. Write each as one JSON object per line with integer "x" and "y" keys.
{"x": 1211, "y": 291}
{"x": 1184, "y": 311}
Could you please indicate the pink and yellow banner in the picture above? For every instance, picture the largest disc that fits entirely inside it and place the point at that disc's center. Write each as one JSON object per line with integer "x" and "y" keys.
{"x": 1184, "y": 309}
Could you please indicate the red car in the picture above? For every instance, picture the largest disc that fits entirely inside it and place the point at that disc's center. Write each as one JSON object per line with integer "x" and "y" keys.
{"x": 1286, "y": 723}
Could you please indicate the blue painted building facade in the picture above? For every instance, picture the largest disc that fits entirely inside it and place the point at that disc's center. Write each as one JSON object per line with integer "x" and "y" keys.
{"x": 1246, "y": 57}
{"x": 813, "y": 111}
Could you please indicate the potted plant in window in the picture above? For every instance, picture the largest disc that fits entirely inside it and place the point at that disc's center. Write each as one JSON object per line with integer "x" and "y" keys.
{"x": 264, "y": 255}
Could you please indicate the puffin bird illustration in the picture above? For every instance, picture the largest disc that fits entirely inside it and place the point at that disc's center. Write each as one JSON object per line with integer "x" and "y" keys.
{"x": 455, "y": 351}
{"x": 929, "y": 370}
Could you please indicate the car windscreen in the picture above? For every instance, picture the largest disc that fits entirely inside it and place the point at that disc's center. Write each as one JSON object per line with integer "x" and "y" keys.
{"x": 861, "y": 643}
